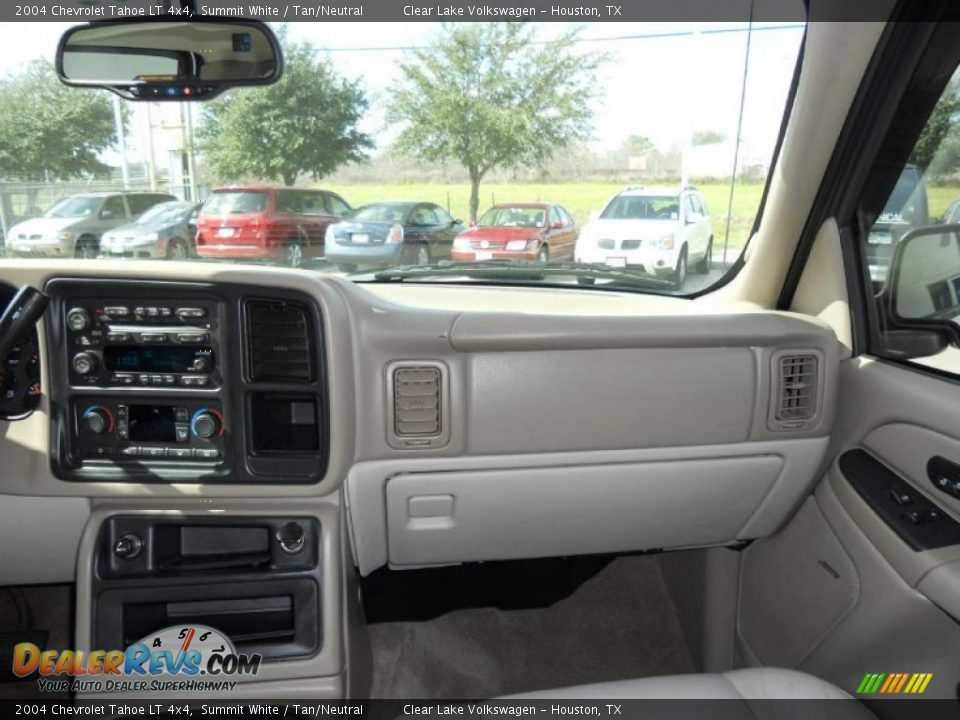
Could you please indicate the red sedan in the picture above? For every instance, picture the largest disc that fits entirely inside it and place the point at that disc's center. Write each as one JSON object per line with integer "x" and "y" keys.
{"x": 519, "y": 231}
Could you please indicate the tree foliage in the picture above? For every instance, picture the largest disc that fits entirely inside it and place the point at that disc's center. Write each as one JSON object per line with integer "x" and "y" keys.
{"x": 938, "y": 147}
{"x": 306, "y": 123}
{"x": 50, "y": 130}
{"x": 707, "y": 137}
{"x": 491, "y": 95}
{"x": 638, "y": 145}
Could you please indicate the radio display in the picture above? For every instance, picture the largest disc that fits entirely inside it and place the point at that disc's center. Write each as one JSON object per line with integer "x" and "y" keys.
{"x": 119, "y": 358}
{"x": 152, "y": 423}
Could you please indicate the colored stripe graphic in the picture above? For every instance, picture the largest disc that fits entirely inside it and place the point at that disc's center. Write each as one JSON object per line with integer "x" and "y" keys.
{"x": 894, "y": 683}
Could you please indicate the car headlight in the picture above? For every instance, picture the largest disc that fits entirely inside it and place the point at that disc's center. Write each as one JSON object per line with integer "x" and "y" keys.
{"x": 66, "y": 235}
{"x": 664, "y": 243}
{"x": 461, "y": 243}
{"x": 517, "y": 245}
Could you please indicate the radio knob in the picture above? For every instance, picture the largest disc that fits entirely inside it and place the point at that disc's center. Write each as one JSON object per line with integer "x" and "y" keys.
{"x": 97, "y": 420}
{"x": 128, "y": 546}
{"x": 201, "y": 363}
{"x": 78, "y": 319}
{"x": 84, "y": 363}
{"x": 205, "y": 424}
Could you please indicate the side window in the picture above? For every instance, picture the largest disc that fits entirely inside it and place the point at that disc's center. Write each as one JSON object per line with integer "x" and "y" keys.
{"x": 913, "y": 265}
{"x": 139, "y": 204}
{"x": 424, "y": 215}
{"x": 554, "y": 216}
{"x": 113, "y": 208}
{"x": 288, "y": 201}
{"x": 697, "y": 205}
{"x": 336, "y": 205}
{"x": 567, "y": 220}
{"x": 312, "y": 203}
{"x": 443, "y": 217}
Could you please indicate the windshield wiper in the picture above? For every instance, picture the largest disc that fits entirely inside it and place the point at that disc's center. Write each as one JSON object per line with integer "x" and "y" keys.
{"x": 585, "y": 273}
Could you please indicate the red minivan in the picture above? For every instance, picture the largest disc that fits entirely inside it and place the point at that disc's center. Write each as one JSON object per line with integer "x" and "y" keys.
{"x": 259, "y": 221}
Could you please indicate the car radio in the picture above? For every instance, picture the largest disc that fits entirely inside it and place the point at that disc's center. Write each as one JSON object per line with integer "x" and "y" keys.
{"x": 112, "y": 344}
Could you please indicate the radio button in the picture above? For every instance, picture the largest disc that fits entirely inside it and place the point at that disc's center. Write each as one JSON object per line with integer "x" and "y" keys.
{"x": 156, "y": 379}
{"x": 84, "y": 363}
{"x": 122, "y": 378}
{"x": 179, "y": 453}
{"x": 130, "y": 450}
{"x": 78, "y": 319}
{"x": 166, "y": 312}
{"x": 153, "y": 312}
{"x": 118, "y": 337}
{"x": 186, "y": 313}
{"x": 192, "y": 338}
{"x": 153, "y": 451}
{"x": 182, "y": 432}
{"x": 144, "y": 379}
{"x": 182, "y": 414}
{"x": 116, "y": 311}
{"x": 169, "y": 379}
{"x": 139, "y": 312}
{"x": 206, "y": 453}
{"x": 153, "y": 337}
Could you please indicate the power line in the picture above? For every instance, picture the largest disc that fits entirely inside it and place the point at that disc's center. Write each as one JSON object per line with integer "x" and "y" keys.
{"x": 610, "y": 38}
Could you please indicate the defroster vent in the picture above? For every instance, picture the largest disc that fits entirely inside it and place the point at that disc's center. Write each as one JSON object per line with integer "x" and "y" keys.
{"x": 279, "y": 341}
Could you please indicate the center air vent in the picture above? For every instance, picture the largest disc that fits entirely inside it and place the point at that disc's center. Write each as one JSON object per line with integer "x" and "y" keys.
{"x": 417, "y": 406}
{"x": 278, "y": 342}
{"x": 797, "y": 391}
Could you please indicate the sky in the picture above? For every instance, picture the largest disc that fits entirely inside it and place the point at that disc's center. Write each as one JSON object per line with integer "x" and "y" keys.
{"x": 686, "y": 80}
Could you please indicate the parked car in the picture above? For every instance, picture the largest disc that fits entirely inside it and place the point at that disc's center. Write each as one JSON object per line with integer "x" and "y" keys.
{"x": 392, "y": 233}
{"x": 659, "y": 231}
{"x": 519, "y": 231}
{"x": 257, "y": 221}
{"x": 74, "y": 226}
{"x": 166, "y": 230}
{"x": 907, "y": 208}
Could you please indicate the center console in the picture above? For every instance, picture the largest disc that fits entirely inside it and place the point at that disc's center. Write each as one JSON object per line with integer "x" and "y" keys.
{"x": 185, "y": 382}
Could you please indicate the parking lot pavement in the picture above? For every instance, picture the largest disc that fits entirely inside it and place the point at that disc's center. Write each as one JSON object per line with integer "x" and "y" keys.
{"x": 695, "y": 282}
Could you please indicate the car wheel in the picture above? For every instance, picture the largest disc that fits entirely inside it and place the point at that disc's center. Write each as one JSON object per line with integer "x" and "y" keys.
{"x": 680, "y": 272}
{"x": 418, "y": 254}
{"x": 544, "y": 254}
{"x": 293, "y": 253}
{"x": 177, "y": 250}
{"x": 703, "y": 267}
{"x": 87, "y": 247}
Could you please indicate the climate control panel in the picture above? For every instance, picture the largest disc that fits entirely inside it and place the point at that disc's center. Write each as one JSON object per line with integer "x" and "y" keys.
{"x": 131, "y": 429}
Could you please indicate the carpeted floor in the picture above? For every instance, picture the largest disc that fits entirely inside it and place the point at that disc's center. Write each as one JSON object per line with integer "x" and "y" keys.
{"x": 498, "y": 628}
{"x": 41, "y": 614}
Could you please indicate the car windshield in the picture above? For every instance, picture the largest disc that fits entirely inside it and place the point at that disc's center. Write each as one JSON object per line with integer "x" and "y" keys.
{"x": 382, "y": 213}
{"x": 74, "y": 207}
{"x": 626, "y": 207}
{"x": 227, "y": 202}
{"x": 513, "y": 216}
{"x": 165, "y": 213}
{"x": 552, "y": 128}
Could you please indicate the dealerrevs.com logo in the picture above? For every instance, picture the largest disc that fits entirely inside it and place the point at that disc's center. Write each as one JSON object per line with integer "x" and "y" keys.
{"x": 193, "y": 657}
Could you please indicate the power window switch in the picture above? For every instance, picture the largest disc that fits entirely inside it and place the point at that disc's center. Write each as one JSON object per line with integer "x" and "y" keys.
{"x": 922, "y": 517}
{"x": 902, "y": 497}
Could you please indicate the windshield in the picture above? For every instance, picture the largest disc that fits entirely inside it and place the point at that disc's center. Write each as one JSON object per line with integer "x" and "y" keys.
{"x": 642, "y": 208}
{"x": 165, "y": 213}
{"x": 76, "y": 207}
{"x": 386, "y": 213}
{"x": 552, "y": 130}
{"x": 513, "y": 216}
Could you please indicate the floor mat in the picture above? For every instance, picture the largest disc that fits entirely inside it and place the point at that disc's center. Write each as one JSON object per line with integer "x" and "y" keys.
{"x": 41, "y": 614}
{"x": 617, "y": 623}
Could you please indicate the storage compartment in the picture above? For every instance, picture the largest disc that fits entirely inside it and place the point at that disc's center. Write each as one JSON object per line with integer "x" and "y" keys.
{"x": 541, "y": 512}
{"x": 276, "y": 618}
{"x": 284, "y": 424}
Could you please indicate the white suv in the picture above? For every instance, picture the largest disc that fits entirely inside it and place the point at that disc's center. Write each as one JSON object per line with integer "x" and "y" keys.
{"x": 661, "y": 231}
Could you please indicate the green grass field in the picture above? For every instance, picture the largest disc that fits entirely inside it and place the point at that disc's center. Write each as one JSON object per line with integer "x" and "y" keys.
{"x": 579, "y": 198}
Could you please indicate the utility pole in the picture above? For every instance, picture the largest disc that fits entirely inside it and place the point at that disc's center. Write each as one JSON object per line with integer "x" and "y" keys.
{"x": 151, "y": 155}
{"x": 122, "y": 139}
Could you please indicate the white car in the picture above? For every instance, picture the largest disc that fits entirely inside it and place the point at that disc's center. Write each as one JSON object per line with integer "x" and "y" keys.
{"x": 661, "y": 231}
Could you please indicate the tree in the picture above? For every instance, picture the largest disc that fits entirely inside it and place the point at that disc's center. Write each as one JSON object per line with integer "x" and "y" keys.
{"x": 306, "y": 123}
{"x": 638, "y": 145}
{"x": 491, "y": 95}
{"x": 50, "y": 130}
{"x": 707, "y": 137}
{"x": 938, "y": 141}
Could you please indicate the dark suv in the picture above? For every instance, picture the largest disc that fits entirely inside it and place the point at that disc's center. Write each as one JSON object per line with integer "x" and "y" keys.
{"x": 906, "y": 209}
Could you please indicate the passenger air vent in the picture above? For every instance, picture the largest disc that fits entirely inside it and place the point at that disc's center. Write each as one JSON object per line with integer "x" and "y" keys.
{"x": 279, "y": 342}
{"x": 417, "y": 405}
{"x": 796, "y": 400}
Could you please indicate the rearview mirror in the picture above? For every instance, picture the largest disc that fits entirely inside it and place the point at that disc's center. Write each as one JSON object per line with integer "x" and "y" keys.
{"x": 151, "y": 60}
{"x": 924, "y": 285}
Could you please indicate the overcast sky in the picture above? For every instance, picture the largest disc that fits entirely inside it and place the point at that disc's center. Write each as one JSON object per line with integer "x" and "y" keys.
{"x": 661, "y": 87}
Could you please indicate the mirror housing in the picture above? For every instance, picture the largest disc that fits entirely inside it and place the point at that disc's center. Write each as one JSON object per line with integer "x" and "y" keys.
{"x": 923, "y": 289}
{"x": 160, "y": 60}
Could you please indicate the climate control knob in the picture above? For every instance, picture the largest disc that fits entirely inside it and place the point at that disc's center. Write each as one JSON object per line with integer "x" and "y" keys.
{"x": 78, "y": 319}
{"x": 84, "y": 363}
{"x": 97, "y": 420}
{"x": 206, "y": 423}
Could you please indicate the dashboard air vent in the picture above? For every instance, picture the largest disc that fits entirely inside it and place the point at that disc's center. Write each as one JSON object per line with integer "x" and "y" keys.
{"x": 796, "y": 402}
{"x": 416, "y": 401}
{"x": 278, "y": 341}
